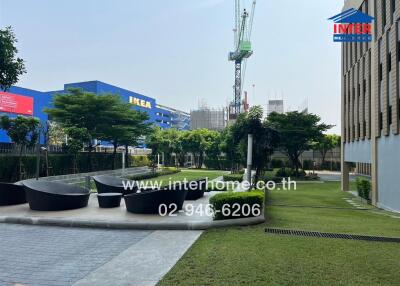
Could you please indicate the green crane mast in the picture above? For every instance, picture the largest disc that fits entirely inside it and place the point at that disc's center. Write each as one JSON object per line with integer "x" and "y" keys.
{"x": 243, "y": 50}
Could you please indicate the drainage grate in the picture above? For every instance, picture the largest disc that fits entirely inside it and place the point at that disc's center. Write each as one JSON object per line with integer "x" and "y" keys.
{"x": 331, "y": 235}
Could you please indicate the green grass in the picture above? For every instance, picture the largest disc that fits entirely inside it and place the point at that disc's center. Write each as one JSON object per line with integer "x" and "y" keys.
{"x": 248, "y": 256}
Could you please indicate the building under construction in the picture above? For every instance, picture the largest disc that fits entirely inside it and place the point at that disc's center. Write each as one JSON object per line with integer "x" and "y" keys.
{"x": 204, "y": 117}
{"x": 275, "y": 106}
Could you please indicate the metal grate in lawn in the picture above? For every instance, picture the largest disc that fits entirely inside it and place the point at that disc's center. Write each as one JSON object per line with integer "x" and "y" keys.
{"x": 294, "y": 232}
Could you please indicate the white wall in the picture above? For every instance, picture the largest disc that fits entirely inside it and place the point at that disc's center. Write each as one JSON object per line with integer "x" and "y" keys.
{"x": 389, "y": 172}
{"x": 358, "y": 151}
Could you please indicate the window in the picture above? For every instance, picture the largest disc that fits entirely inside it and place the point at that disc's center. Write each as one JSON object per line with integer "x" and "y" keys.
{"x": 389, "y": 62}
{"x": 390, "y": 115}
{"x": 383, "y": 13}
{"x": 393, "y": 6}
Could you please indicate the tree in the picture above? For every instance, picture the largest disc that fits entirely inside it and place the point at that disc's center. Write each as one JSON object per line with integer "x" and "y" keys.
{"x": 325, "y": 143}
{"x": 10, "y": 66}
{"x": 168, "y": 142}
{"x": 23, "y": 131}
{"x": 98, "y": 116}
{"x": 194, "y": 142}
{"x": 123, "y": 127}
{"x": 265, "y": 138}
{"x": 75, "y": 143}
{"x": 230, "y": 145}
{"x": 212, "y": 146}
{"x": 297, "y": 132}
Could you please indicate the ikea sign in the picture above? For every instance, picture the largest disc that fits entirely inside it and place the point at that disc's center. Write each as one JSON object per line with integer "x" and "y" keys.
{"x": 139, "y": 102}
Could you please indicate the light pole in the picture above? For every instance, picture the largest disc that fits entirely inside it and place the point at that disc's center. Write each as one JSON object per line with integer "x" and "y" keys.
{"x": 249, "y": 156}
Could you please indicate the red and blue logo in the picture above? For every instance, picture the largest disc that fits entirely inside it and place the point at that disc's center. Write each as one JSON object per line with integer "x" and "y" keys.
{"x": 352, "y": 26}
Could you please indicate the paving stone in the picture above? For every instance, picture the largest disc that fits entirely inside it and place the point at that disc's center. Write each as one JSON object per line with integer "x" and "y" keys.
{"x": 39, "y": 255}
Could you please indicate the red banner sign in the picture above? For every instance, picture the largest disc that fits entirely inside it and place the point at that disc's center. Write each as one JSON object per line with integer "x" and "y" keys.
{"x": 13, "y": 103}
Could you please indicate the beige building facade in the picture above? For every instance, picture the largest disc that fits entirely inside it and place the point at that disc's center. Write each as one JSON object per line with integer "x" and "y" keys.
{"x": 370, "y": 103}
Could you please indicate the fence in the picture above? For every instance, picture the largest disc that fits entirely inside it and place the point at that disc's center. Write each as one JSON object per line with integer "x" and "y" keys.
{"x": 13, "y": 149}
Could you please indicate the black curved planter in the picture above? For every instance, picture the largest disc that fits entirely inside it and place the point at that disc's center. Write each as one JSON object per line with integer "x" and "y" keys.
{"x": 51, "y": 196}
{"x": 110, "y": 184}
{"x": 109, "y": 200}
{"x": 149, "y": 201}
{"x": 12, "y": 194}
{"x": 196, "y": 191}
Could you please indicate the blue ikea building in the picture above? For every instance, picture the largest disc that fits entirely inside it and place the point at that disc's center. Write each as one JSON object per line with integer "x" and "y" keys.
{"x": 14, "y": 103}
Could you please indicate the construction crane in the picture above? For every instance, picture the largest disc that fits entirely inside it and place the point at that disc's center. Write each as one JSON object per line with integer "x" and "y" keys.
{"x": 243, "y": 50}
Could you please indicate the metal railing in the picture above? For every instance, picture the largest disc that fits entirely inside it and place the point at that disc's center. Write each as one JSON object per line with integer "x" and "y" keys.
{"x": 13, "y": 149}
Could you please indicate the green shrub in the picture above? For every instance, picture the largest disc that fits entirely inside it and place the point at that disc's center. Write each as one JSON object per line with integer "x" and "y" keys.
{"x": 162, "y": 172}
{"x": 277, "y": 163}
{"x": 288, "y": 172}
{"x": 233, "y": 177}
{"x": 139, "y": 161}
{"x": 245, "y": 203}
{"x": 217, "y": 164}
{"x": 363, "y": 188}
{"x": 59, "y": 164}
{"x": 308, "y": 164}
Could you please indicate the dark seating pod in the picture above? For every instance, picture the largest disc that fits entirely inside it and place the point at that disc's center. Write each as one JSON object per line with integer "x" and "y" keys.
{"x": 196, "y": 190}
{"x": 51, "y": 196}
{"x": 12, "y": 194}
{"x": 148, "y": 201}
{"x": 109, "y": 200}
{"x": 110, "y": 184}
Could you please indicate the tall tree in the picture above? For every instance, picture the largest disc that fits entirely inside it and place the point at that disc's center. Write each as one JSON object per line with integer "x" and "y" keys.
{"x": 265, "y": 138}
{"x": 230, "y": 145}
{"x": 326, "y": 143}
{"x": 297, "y": 133}
{"x": 87, "y": 111}
{"x": 124, "y": 127}
{"x": 194, "y": 142}
{"x": 11, "y": 67}
{"x": 167, "y": 142}
{"x": 212, "y": 145}
{"x": 75, "y": 143}
{"x": 23, "y": 131}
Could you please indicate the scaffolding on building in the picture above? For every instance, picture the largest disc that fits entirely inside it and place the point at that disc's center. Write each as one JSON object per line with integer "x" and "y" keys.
{"x": 208, "y": 118}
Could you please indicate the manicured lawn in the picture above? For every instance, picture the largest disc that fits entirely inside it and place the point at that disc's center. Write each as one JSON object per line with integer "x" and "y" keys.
{"x": 248, "y": 256}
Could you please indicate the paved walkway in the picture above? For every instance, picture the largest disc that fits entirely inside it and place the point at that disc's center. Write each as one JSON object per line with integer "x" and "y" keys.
{"x": 332, "y": 176}
{"x": 53, "y": 256}
{"x": 144, "y": 263}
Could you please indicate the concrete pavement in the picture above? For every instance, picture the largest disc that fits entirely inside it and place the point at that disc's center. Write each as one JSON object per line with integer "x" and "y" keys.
{"x": 54, "y": 256}
{"x": 144, "y": 263}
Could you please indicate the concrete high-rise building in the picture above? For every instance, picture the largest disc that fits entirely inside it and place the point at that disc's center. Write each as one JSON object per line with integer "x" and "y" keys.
{"x": 213, "y": 119}
{"x": 370, "y": 103}
{"x": 275, "y": 106}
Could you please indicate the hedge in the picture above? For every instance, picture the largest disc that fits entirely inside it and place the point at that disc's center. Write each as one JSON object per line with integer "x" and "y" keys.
{"x": 139, "y": 161}
{"x": 217, "y": 164}
{"x": 363, "y": 188}
{"x": 62, "y": 164}
{"x": 278, "y": 163}
{"x": 163, "y": 172}
{"x": 233, "y": 177}
{"x": 225, "y": 204}
{"x": 288, "y": 172}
